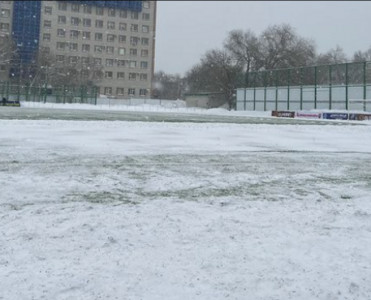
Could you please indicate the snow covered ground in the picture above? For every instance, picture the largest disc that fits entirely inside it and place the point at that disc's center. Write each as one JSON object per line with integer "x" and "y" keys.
{"x": 166, "y": 210}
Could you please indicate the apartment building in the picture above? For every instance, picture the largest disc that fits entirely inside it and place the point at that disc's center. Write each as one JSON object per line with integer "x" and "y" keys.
{"x": 118, "y": 35}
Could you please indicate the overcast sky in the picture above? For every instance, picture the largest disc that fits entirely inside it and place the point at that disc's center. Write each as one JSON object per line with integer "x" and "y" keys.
{"x": 187, "y": 29}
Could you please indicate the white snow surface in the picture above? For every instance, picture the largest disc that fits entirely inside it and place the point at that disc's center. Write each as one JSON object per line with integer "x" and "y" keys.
{"x": 136, "y": 210}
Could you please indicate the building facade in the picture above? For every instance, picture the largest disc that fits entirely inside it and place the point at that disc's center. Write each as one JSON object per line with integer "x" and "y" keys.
{"x": 117, "y": 36}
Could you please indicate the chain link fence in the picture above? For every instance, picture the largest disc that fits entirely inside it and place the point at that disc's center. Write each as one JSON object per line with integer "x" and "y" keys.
{"x": 64, "y": 94}
{"x": 344, "y": 86}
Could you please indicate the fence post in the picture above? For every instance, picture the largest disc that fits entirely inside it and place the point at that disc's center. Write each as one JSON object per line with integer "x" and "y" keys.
{"x": 276, "y": 79}
{"x": 254, "y": 91}
{"x": 346, "y": 87}
{"x": 95, "y": 94}
{"x": 244, "y": 98}
{"x": 330, "y": 87}
{"x": 315, "y": 87}
{"x": 288, "y": 89}
{"x": 364, "y": 86}
{"x": 301, "y": 89}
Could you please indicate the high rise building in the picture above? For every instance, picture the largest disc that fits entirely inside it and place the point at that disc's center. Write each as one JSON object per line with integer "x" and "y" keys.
{"x": 116, "y": 36}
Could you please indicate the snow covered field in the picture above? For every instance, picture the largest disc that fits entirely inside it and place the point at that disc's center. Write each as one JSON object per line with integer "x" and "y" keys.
{"x": 166, "y": 210}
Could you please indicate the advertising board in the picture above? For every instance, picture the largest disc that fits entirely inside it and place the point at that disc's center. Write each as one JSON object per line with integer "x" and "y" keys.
{"x": 283, "y": 114}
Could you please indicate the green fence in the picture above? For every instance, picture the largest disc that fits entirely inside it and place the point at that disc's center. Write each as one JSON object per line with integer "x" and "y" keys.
{"x": 339, "y": 86}
{"x": 63, "y": 94}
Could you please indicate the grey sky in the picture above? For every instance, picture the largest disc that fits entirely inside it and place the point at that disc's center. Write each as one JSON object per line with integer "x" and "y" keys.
{"x": 187, "y": 29}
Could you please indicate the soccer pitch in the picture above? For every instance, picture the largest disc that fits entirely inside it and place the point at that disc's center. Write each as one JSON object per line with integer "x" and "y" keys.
{"x": 183, "y": 210}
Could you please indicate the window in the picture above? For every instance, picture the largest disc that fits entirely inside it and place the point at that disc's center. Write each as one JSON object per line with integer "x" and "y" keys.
{"x": 60, "y": 58}
{"x": 99, "y": 11}
{"x": 5, "y": 13}
{"x": 110, "y": 49}
{"x": 4, "y": 26}
{"x": 143, "y": 77}
{"x": 46, "y": 49}
{"x": 73, "y": 46}
{"x": 85, "y": 74}
{"x": 133, "y": 64}
{"x": 87, "y": 9}
{"x": 121, "y": 63}
{"x": 132, "y": 76}
{"x": 134, "y": 40}
{"x": 145, "y": 41}
{"x": 62, "y": 20}
{"x": 108, "y": 91}
{"x": 99, "y": 49}
{"x": 122, "y": 26}
{"x": 108, "y": 74}
{"x": 145, "y": 4}
{"x": 122, "y": 38}
{"x": 120, "y": 75}
{"x": 48, "y": 10}
{"x": 144, "y": 53}
{"x": 86, "y": 22}
{"x": 99, "y": 36}
{"x": 121, "y": 51}
{"x": 98, "y": 61}
{"x": 110, "y": 25}
{"x": 74, "y": 34}
{"x": 111, "y": 12}
{"x": 131, "y": 92}
{"x": 109, "y": 62}
{"x": 134, "y": 15}
{"x": 61, "y": 32}
{"x": 111, "y": 37}
{"x": 133, "y": 52}
{"x": 85, "y": 60}
{"x": 86, "y": 35}
{"x": 60, "y": 45}
{"x": 62, "y": 5}
{"x": 75, "y": 7}
{"x": 99, "y": 23}
{"x": 75, "y": 21}
{"x": 123, "y": 13}
{"x": 145, "y": 28}
{"x": 46, "y": 37}
{"x": 85, "y": 48}
{"x": 73, "y": 59}
{"x": 145, "y": 16}
{"x": 142, "y": 92}
{"x": 47, "y": 24}
{"x": 119, "y": 91}
{"x": 144, "y": 65}
{"x": 134, "y": 28}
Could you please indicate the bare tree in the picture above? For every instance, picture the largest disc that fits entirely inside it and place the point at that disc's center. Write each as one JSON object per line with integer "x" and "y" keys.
{"x": 333, "y": 56}
{"x": 81, "y": 71}
{"x": 360, "y": 56}
{"x": 168, "y": 86}
{"x": 8, "y": 54}
{"x": 281, "y": 47}
{"x": 244, "y": 47}
{"x": 217, "y": 72}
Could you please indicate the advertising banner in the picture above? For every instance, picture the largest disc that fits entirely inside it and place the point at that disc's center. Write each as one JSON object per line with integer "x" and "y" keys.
{"x": 335, "y": 116}
{"x": 283, "y": 114}
{"x": 308, "y": 115}
{"x": 359, "y": 117}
